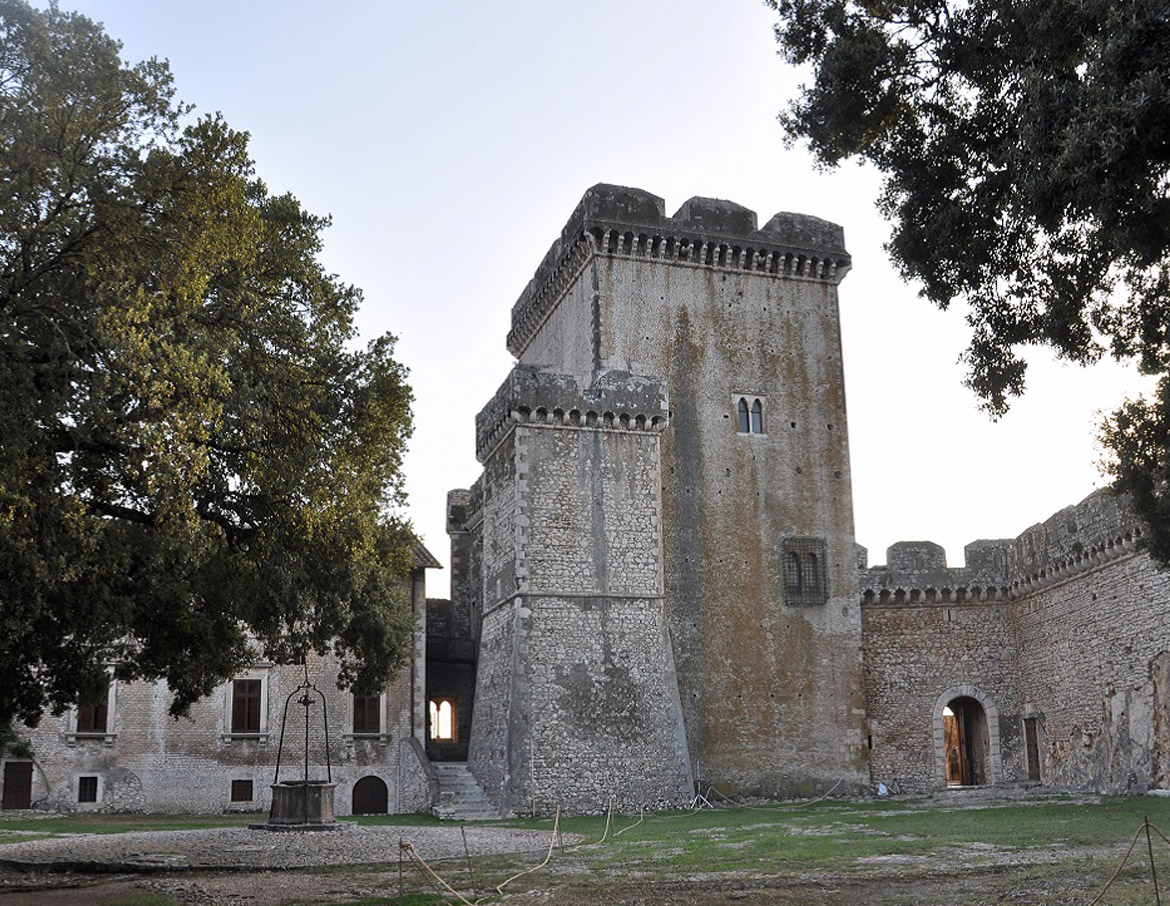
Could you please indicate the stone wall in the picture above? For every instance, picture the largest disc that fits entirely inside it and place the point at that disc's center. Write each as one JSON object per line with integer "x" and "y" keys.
{"x": 576, "y": 696}
{"x": 147, "y": 761}
{"x": 1066, "y": 625}
{"x": 718, "y": 309}
{"x": 917, "y": 658}
{"x": 1093, "y": 630}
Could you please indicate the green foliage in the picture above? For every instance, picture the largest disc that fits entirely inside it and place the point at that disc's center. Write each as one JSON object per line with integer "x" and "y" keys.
{"x": 1026, "y": 153}
{"x": 194, "y": 460}
{"x": 12, "y": 743}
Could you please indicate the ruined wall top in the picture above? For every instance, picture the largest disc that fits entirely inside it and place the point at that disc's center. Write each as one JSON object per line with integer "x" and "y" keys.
{"x": 704, "y": 232}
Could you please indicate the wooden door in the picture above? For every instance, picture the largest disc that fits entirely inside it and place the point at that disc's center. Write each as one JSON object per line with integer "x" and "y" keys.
{"x": 17, "y": 785}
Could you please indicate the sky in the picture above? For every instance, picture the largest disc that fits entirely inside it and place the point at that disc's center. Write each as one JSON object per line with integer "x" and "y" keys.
{"x": 449, "y": 142}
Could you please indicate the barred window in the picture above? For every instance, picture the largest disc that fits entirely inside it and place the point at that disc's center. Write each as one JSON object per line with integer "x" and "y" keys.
{"x": 804, "y": 575}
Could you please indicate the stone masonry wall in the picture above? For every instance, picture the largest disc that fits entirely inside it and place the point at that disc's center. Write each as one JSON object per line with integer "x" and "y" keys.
{"x": 1067, "y": 624}
{"x": 576, "y": 697}
{"x": 918, "y": 657}
{"x": 717, "y": 308}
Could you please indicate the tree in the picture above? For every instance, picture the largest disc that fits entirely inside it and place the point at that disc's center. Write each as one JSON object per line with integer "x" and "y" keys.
{"x": 194, "y": 460}
{"x": 1025, "y": 147}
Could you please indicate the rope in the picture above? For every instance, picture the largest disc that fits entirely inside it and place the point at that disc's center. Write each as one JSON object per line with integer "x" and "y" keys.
{"x": 641, "y": 818}
{"x": 551, "y": 846}
{"x": 408, "y": 847}
{"x": 1124, "y": 859}
{"x": 608, "y": 820}
{"x": 779, "y": 805}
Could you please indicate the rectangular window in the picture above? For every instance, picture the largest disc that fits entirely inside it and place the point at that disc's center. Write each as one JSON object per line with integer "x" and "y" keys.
{"x": 246, "y": 706}
{"x": 241, "y": 791}
{"x": 803, "y": 571}
{"x": 87, "y": 789}
{"x": 92, "y": 716}
{"x": 367, "y": 714}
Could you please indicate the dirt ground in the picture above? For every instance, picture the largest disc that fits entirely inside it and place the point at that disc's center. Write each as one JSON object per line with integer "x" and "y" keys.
{"x": 953, "y": 884}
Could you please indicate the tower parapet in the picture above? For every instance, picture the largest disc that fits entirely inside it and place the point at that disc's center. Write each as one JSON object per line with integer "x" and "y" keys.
{"x": 704, "y": 232}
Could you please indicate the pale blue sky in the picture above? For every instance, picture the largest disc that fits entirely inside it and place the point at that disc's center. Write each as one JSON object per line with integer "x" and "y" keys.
{"x": 451, "y": 141}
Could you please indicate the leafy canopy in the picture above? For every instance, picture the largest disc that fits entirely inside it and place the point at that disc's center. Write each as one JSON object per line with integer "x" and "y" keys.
{"x": 194, "y": 460}
{"x": 1025, "y": 146}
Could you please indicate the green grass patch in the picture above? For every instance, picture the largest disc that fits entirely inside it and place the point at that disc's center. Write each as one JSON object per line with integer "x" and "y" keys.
{"x": 113, "y": 824}
{"x": 146, "y": 899}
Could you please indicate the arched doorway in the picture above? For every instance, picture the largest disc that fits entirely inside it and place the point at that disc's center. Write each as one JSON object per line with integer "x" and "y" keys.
{"x": 967, "y": 742}
{"x": 370, "y": 796}
{"x": 966, "y": 738}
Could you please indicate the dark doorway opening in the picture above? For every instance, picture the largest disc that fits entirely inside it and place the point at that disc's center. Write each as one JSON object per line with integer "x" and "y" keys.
{"x": 1032, "y": 743}
{"x": 968, "y": 744}
{"x": 17, "y": 785}
{"x": 370, "y": 797}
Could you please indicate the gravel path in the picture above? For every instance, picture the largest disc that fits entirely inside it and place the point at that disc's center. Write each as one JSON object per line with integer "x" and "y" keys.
{"x": 242, "y": 848}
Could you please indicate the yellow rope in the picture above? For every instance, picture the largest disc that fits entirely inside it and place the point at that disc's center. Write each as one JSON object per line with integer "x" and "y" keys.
{"x": 408, "y": 847}
{"x": 551, "y": 846}
{"x": 641, "y": 818}
{"x": 608, "y": 819}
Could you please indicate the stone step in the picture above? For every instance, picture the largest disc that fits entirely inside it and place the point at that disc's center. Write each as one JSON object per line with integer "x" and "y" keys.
{"x": 460, "y": 795}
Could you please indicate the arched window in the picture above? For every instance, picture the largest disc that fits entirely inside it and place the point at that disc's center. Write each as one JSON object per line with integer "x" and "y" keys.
{"x": 757, "y": 417}
{"x": 744, "y": 424}
{"x": 792, "y": 575}
{"x": 812, "y": 575}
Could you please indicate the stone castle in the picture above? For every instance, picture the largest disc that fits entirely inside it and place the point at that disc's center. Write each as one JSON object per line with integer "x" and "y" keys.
{"x": 656, "y": 589}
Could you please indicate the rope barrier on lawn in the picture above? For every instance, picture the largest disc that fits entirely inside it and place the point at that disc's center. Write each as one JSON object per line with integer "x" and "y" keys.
{"x": 407, "y": 847}
{"x": 608, "y": 820}
{"x": 641, "y": 818}
{"x": 1147, "y": 824}
{"x": 551, "y": 846}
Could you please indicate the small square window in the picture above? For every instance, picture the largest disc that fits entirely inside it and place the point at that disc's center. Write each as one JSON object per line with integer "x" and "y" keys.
{"x": 241, "y": 791}
{"x": 87, "y": 789}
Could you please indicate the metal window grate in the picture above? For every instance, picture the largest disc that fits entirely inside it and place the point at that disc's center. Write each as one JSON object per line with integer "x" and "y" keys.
{"x": 803, "y": 574}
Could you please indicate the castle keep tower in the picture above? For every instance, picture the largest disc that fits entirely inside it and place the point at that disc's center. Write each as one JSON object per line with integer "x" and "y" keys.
{"x": 666, "y": 562}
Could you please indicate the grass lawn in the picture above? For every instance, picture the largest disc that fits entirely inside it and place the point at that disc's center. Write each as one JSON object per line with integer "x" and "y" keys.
{"x": 1038, "y": 850}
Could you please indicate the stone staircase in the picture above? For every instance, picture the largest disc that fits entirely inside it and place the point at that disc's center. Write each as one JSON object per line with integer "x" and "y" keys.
{"x": 460, "y": 797}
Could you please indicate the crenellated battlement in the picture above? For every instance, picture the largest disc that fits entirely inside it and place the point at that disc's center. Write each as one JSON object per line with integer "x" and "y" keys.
{"x": 705, "y": 232}
{"x": 617, "y": 402}
{"x": 1078, "y": 538}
